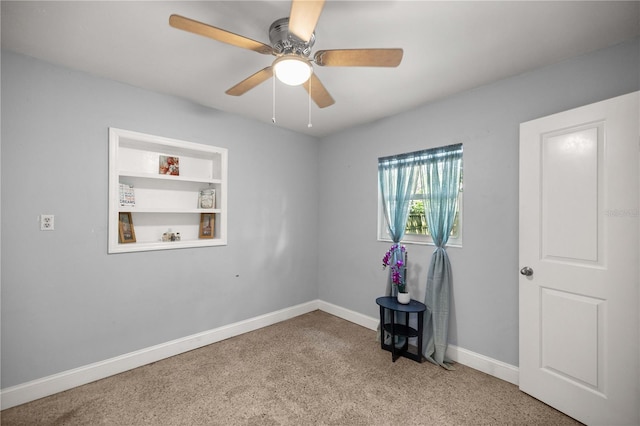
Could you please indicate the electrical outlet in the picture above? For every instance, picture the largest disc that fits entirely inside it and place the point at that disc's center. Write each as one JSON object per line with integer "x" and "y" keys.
{"x": 46, "y": 222}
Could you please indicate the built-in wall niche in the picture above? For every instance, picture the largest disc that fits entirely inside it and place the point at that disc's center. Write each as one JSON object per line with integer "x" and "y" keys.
{"x": 165, "y": 193}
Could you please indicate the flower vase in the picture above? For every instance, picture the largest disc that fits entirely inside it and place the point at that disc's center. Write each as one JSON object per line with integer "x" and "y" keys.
{"x": 404, "y": 298}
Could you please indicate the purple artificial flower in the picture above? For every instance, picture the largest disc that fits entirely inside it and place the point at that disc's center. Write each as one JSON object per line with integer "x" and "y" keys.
{"x": 397, "y": 269}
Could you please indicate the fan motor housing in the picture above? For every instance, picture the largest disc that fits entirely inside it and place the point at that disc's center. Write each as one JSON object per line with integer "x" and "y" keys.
{"x": 284, "y": 42}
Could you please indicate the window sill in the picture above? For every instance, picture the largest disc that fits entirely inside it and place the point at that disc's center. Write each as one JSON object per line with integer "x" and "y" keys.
{"x": 421, "y": 243}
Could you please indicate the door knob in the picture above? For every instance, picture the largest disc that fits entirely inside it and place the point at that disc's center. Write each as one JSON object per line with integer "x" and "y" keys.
{"x": 526, "y": 271}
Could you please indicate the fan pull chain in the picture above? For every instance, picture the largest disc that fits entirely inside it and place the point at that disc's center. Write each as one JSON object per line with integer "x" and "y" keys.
{"x": 309, "y": 125}
{"x": 273, "y": 115}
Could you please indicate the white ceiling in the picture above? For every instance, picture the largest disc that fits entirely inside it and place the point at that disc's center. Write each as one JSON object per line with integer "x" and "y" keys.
{"x": 448, "y": 47}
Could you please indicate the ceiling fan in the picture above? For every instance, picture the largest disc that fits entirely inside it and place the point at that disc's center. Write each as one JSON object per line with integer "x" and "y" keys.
{"x": 291, "y": 41}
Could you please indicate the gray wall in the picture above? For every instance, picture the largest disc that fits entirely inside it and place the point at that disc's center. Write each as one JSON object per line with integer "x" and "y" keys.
{"x": 65, "y": 301}
{"x": 486, "y": 120}
{"x": 296, "y": 233}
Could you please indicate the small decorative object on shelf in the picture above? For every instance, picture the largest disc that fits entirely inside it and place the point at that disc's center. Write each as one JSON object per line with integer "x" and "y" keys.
{"x": 127, "y": 195}
{"x": 170, "y": 236}
{"x": 396, "y": 259}
{"x": 125, "y": 225}
{"x": 169, "y": 165}
{"x": 207, "y": 198}
{"x": 206, "y": 225}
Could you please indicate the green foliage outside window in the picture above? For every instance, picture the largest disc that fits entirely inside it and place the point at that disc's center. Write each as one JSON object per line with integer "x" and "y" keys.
{"x": 416, "y": 222}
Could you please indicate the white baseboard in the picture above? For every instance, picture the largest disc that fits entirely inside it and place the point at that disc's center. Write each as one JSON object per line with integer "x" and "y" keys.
{"x": 36, "y": 389}
{"x": 501, "y": 370}
{"x": 39, "y": 388}
{"x": 351, "y": 316}
{"x": 490, "y": 366}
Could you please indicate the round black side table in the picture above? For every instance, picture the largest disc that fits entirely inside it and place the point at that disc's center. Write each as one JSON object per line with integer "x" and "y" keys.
{"x": 390, "y": 303}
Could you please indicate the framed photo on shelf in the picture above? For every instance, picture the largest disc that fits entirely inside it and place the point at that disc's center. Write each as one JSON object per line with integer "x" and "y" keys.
{"x": 169, "y": 165}
{"x": 125, "y": 225}
{"x": 206, "y": 225}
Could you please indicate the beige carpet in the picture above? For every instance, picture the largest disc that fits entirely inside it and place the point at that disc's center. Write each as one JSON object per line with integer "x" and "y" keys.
{"x": 315, "y": 369}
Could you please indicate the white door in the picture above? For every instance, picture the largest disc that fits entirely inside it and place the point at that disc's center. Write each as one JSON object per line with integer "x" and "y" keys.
{"x": 579, "y": 238}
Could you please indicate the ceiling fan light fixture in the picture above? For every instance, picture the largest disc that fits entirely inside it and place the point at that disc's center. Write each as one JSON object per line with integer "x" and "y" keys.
{"x": 292, "y": 70}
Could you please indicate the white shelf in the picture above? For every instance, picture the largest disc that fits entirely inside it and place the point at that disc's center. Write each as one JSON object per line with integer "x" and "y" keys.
{"x": 160, "y": 245}
{"x": 165, "y": 203}
{"x": 165, "y": 210}
{"x": 168, "y": 178}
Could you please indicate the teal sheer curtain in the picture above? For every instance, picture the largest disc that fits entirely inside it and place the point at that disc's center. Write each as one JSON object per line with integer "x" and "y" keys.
{"x": 397, "y": 176}
{"x": 440, "y": 174}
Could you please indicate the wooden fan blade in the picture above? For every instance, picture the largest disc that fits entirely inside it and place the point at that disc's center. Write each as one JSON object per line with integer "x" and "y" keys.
{"x": 206, "y": 30}
{"x": 319, "y": 94}
{"x": 251, "y": 82}
{"x": 303, "y": 17}
{"x": 359, "y": 57}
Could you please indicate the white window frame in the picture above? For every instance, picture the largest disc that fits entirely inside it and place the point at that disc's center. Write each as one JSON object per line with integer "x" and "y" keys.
{"x": 383, "y": 229}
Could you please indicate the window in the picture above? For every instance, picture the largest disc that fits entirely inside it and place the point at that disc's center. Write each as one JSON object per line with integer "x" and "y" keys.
{"x": 417, "y": 228}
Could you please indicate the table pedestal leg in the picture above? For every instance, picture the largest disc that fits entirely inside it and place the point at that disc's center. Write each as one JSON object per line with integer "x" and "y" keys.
{"x": 420, "y": 333}
{"x": 393, "y": 336}
{"x": 382, "y": 332}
